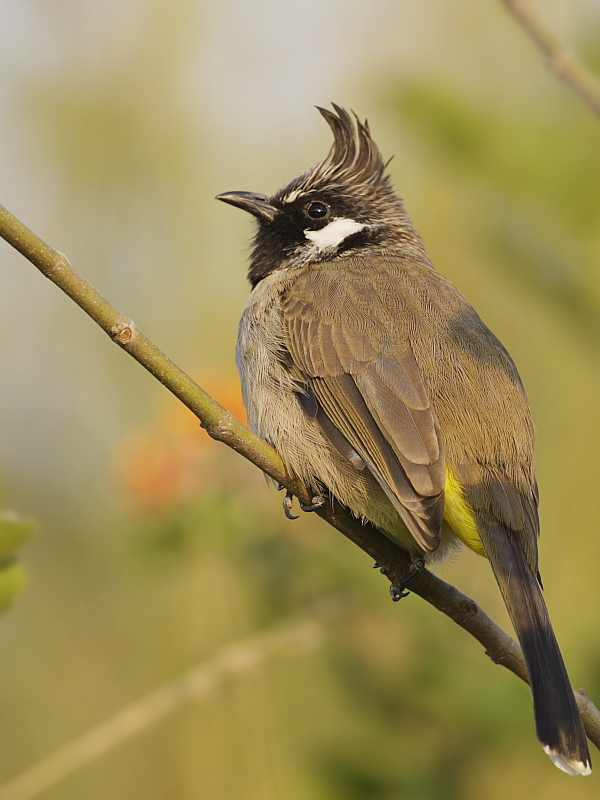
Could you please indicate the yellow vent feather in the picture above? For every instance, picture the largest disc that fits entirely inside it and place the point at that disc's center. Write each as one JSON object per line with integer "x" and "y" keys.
{"x": 459, "y": 515}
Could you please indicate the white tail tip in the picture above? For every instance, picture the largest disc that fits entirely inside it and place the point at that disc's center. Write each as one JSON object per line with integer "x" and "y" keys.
{"x": 570, "y": 767}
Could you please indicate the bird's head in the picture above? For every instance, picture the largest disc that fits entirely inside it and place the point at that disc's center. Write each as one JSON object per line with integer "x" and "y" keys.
{"x": 341, "y": 204}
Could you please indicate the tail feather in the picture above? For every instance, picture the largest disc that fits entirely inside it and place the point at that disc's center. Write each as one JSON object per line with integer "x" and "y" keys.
{"x": 557, "y": 719}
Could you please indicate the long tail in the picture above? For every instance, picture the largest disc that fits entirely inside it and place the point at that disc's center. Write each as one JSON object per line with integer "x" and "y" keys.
{"x": 557, "y": 720}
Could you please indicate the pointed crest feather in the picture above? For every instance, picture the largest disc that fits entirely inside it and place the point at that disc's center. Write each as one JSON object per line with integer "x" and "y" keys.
{"x": 354, "y": 161}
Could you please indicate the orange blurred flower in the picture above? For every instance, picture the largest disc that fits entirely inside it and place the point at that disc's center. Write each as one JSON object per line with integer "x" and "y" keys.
{"x": 171, "y": 461}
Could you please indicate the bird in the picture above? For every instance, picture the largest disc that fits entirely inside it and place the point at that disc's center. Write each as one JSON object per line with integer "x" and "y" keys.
{"x": 377, "y": 383}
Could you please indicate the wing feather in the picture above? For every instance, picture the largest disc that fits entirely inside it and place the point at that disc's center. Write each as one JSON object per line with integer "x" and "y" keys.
{"x": 369, "y": 389}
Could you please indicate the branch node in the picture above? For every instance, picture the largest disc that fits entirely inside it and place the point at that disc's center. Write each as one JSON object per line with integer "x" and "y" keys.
{"x": 469, "y": 607}
{"x": 60, "y": 264}
{"x": 123, "y": 333}
{"x": 504, "y": 658}
{"x": 220, "y": 431}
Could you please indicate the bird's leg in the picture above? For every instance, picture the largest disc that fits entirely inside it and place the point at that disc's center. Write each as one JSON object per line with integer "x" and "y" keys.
{"x": 397, "y": 588}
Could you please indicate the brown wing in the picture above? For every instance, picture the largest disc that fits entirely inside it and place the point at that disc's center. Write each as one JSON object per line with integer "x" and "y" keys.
{"x": 366, "y": 381}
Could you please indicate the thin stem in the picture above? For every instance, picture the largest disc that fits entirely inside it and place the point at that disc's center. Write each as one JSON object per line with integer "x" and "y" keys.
{"x": 197, "y": 684}
{"x": 219, "y": 423}
{"x": 561, "y": 60}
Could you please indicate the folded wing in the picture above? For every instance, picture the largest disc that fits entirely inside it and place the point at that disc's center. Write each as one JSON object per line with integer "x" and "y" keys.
{"x": 364, "y": 383}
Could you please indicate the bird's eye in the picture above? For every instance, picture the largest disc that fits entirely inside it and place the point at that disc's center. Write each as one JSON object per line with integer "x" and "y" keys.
{"x": 317, "y": 210}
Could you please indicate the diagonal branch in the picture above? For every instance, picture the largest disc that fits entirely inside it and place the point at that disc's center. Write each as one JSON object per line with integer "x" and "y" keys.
{"x": 197, "y": 684}
{"x": 561, "y": 60}
{"x": 221, "y": 425}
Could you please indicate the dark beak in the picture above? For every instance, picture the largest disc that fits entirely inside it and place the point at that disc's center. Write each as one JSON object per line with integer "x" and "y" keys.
{"x": 257, "y": 204}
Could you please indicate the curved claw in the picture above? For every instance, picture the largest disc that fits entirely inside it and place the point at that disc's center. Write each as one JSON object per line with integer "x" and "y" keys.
{"x": 397, "y": 589}
{"x": 287, "y": 505}
{"x": 397, "y": 592}
{"x": 317, "y": 502}
{"x": 416, "y": 565}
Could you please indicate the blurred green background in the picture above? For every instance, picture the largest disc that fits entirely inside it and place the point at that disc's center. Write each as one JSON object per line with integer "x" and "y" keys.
{"x": 155, "y": 547}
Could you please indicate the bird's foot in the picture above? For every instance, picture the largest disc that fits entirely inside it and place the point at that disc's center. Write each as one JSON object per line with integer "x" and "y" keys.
{"x": 317, "y": 502}
{"x": 397, "y": 592}
{"x": 288, "y": 501}
{"x": 398, "y": 588}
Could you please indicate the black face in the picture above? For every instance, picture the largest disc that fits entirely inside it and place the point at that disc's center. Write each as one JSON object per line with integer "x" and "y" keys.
{"x": 285, "y": 236}
{"x": 348, "y": 190}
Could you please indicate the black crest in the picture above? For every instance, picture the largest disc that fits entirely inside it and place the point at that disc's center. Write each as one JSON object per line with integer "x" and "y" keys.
{"x": 354, "y": 162}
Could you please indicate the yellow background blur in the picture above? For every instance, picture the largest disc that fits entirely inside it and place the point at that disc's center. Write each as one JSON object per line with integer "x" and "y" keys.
{"x": 119, "y": 122}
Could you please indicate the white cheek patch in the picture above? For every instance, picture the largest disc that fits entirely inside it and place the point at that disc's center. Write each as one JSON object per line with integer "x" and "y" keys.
{"x": 334, "y": 233}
